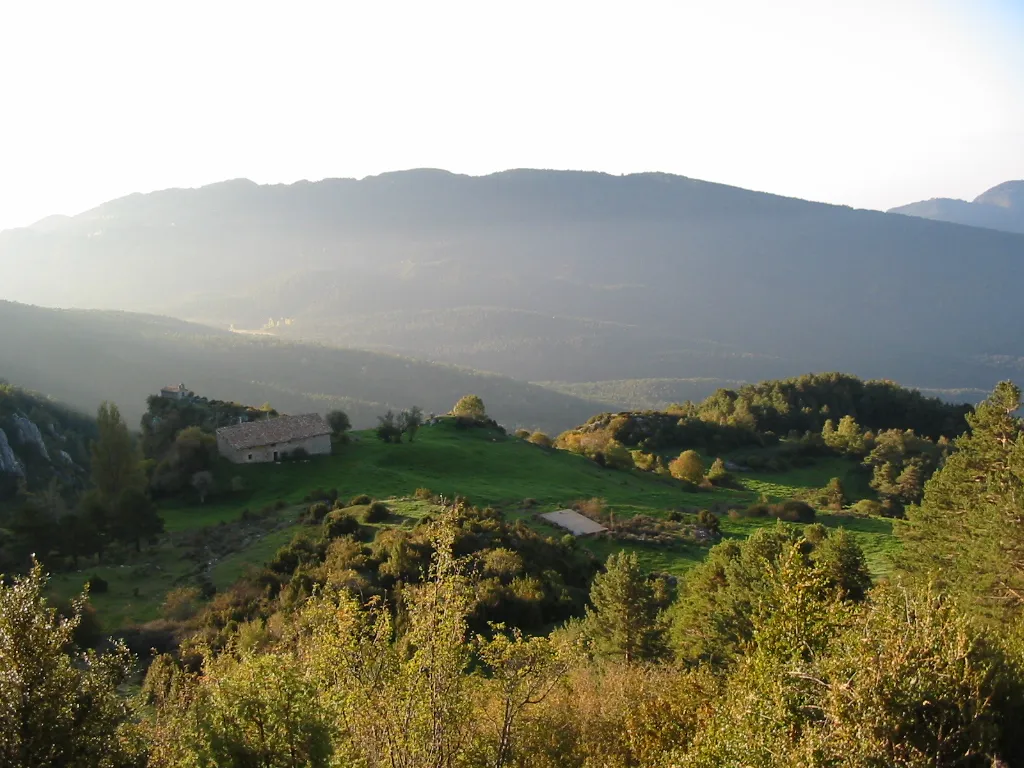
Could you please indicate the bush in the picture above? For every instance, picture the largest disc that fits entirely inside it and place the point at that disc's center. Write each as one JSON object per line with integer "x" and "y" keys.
{"x": 280, "y": 504}
{"x": 756, "y": 510}
{"x": 792, "y": 511}
{"x": 708, "y": 520}
{"x": 867, "y": 508}
{"x": 541, "y": 439}
{"x": 718, "y": 474}
{"x": 593, "y": 508}
{"x": 688, "y": 466}
{"x": 181, "y": 604}
{"x": 522, "y": 434}
{"x": 360, "y": 500}
{"x": 424, "y": 494}
{"x": 377, "y": 512}
{"x": 795, "y": 511}
{"x": 97, "y": 585}
{"x": 299, "y": 454}
{"x": 471, "y": 408}
{"x": 340, "y": 523}
{"x": 675, "y": 516}
{"x": 339, "y": 422}
{"x": 316, "y": 512}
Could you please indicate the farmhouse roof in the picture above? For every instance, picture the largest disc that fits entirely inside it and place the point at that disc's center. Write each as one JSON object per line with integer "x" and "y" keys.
{"x": 283, "y": 429}
{"x": 571, "y": 520}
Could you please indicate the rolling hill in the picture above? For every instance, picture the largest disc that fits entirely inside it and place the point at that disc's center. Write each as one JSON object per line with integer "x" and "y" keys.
{"x": 551, "y": 276}
{"x": 1001, "y": 207}
{"x": 83, "y": 357}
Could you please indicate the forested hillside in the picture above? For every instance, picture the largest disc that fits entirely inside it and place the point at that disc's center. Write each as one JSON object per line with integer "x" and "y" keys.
{"x": 551, "y": 276}
{"x": 86, "y": 357}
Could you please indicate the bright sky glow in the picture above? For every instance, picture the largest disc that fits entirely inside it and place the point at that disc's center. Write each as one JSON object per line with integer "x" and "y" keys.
{"x": 870, "y": 103}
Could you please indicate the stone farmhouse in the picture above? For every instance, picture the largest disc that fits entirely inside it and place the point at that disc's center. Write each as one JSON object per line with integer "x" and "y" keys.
{"x": 273, "y": 439}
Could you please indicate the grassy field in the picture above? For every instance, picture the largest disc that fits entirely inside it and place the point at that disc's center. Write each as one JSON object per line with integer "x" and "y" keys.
{"x": 488, "y": 468}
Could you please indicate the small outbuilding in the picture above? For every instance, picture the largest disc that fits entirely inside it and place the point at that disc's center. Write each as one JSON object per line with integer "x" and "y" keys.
{"x": 273, "y": 439}
{"x": 174, "y": 393}
{"x": 574, "y": 522}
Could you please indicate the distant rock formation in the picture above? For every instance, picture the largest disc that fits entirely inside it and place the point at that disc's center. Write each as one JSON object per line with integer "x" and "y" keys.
{"x": 9, "y": 462}
{"x": 28, "y": 433}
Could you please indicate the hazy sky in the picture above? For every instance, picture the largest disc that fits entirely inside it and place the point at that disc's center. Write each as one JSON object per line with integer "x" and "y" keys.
{"x": 870, "y": 103}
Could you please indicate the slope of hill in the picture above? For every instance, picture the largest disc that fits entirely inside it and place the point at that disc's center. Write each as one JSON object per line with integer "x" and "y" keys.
{"x": 553, "y": 276}
{"x": 84, "y": 357}
{"x": 1001, "y": 207}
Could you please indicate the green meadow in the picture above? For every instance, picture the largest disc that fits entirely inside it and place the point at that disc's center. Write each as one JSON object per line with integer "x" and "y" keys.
{"x": 487, "y": 467}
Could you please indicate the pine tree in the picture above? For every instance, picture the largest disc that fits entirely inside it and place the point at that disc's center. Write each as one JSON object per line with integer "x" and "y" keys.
{"x": 967, "y": 532}
{"x": 624, "y": 617}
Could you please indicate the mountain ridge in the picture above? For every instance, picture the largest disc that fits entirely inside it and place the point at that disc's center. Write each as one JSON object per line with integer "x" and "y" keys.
{"x": 551, "y": 276}
{"x": 1000, "y": 208}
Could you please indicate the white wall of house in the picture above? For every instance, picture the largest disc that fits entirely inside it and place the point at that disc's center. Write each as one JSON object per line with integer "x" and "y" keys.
{"x": 321, "y": 444}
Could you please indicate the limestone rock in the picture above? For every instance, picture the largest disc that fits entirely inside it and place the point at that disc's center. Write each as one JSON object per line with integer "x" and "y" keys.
{"x": 29, "y": 433}
{"x": 9, "y": 462}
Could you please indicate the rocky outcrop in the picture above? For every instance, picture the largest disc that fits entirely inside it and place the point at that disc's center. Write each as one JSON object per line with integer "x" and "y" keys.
{"x": 28, "y": 433}
{"x": 9, "y": 462}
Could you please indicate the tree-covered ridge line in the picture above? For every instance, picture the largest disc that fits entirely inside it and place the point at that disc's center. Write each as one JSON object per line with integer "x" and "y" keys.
{"x": 122, "y": 357}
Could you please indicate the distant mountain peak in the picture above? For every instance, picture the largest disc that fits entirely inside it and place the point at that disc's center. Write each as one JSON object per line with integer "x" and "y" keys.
{"x": 1001, "y": 207}
{"x": 1009, "y": 194}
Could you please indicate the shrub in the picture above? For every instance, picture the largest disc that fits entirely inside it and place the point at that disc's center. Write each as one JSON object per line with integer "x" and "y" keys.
{"x": 377, "y": 512}
{"x": 299, "y": 454}
{"x": 280, "y": 504}
{"x": 675, "y": 516}
{"x": 867, "y": 507}
{"x": 339, "y": 523}
{"x": 360, "y": 500}
{"x": 718, "y": 474}
{"x": 97, "y": 585}
{"x": 757, "y": 510}
{"x": 181, "y": 604}
{"x": 316, "y": 512}
{"x": 617, "y": 457}
{"x": 795, "y": 511}
{"x": 522, "y": 434}
{"x": 593, "y": 508}
{"x": 318, "y": 494}
{"x": 528, "y": 503}
{"x": 424, "y": 494}
{"x": 687, "y": 466}
{"x": 541, "y": 439}
{"x": 339, "y": 422}
{"x": 708, "y": 520}
{"x": 470, "y": 407}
